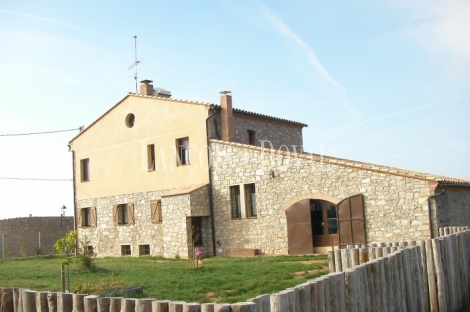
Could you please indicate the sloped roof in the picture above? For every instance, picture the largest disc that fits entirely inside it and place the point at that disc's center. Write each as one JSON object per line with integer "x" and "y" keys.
{"x": 363, "y": 165}
{"x": 235, "y": 110}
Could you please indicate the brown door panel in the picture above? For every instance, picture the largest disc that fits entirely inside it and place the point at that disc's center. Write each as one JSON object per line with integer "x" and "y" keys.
{"x": 299, "y": 228}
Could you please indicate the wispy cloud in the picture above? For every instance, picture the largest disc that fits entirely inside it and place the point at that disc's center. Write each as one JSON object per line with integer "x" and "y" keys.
{"x": 289, "y": 34}
{"x": 441, "y": 27}
{"x": 395, "y": 114}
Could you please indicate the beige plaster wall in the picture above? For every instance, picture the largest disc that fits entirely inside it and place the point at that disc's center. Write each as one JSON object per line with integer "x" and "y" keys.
{"x": 118, "y": 154}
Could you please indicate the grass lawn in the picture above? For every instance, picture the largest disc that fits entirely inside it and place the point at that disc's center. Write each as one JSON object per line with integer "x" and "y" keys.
{"x": 222, "y": 279}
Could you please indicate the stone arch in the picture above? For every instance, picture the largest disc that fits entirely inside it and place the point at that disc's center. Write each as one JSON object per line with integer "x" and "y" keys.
{"x": 319, "y": 196}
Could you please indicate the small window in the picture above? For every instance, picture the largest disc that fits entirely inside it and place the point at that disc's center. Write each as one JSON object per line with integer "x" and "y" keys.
{"x": 251, "y": 137}
{"x": 144, "y": 250}
{"x": 130, "y": 120}
{"x": 235, "y": 201}
{"x": 183, "y": 151}
{"x": 125, "y": 250}
{"x": 151, "y": 157}
{"x": 86, "y": 217}
{"x": 123, "y": 214}
{"x": 250, "y": 200}
{"x": 196, "y": 228}
{"x": 156, "y": 211}
{"x": 85, "y": 169}
{"x": 332, "y": 219}
{"x": 88, "y": 249}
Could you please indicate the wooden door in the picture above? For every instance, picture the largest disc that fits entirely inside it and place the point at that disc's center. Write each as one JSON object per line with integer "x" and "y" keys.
{"x": 351, "y": 224}
{"x": 299, "y": 228}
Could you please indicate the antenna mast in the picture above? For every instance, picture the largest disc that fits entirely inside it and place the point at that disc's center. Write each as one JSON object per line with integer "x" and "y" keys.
{"x": 136, "y": 62}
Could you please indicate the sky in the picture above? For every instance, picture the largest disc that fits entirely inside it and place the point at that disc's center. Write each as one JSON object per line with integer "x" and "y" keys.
{"x": 384, "y": 82}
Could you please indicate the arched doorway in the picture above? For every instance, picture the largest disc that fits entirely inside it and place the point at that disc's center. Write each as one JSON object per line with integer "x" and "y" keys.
{"x": 320, "y": 223}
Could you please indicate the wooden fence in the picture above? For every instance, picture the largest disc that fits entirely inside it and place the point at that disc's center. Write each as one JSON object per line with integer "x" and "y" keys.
{"x": 431, "y": 275}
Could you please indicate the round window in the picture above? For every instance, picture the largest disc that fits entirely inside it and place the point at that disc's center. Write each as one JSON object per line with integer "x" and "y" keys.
{"x": 130, "y": 120}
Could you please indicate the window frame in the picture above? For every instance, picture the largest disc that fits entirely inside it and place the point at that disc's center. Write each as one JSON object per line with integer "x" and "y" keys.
{"x": 85, "y": 170}
{"x": 235, "y": 202}
{"x": 86, "y": 217}
{"x": 151, "y": 157}
{"x": 251, "y": 137}
{"x": 126, "y": 250}
{"x": 250, "y": 200}
{"x": 183, "y": 157}
{"x": 144, "y": 250}
{"x": 123, "y": 212}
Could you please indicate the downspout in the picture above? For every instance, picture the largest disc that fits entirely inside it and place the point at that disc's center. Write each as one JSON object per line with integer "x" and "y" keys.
{"x": 74, "y": 189}
{"x": 429, "y": 209}
{"x": 209, "y": 163}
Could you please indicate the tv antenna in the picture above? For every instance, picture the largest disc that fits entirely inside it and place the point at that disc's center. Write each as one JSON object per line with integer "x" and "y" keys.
{"x": 136, "y": 62}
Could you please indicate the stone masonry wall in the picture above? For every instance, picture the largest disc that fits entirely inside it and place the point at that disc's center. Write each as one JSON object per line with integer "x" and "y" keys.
{"x": 277, "y": 133}
{"x": 395, "y": 206}
{"x": 28, "y": 231}
{"x": 453, "y": 208}
{"x": 107, "y": 238}
{"x": 168, "y": 238}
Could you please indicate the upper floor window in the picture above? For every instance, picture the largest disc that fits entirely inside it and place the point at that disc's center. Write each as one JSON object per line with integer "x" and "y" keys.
{"x": 151, "y": 157}
{"x": 123, "y": 214}
{"x": 235, "y": 202}
{"x": 85, "y": 169}
{"x": 183, "y": 151}
{"x": 86, "y": 217}
{"x": 251, "y": 137}
{"x": 250, "y": 200}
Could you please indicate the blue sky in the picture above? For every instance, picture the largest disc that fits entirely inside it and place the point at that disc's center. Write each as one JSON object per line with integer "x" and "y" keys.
{"x": 385, "y": 82}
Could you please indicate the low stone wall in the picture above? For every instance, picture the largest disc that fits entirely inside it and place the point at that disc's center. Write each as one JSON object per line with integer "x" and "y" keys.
{"x": 21, "y": 237}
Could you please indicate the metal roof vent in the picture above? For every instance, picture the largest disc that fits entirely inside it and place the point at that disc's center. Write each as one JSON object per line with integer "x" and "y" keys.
{"x": 161, "y": 92}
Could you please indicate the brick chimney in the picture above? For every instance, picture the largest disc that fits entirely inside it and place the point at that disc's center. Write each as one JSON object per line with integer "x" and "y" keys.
{"x": 226, "y": 115}
{"x": 146, "y": 87}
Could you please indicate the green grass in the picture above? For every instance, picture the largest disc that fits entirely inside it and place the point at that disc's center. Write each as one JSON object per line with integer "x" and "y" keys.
{"x": 222, "y": 279}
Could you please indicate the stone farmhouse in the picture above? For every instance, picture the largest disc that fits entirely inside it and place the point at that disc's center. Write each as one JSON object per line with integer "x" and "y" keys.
{"x": 156, "y": 176}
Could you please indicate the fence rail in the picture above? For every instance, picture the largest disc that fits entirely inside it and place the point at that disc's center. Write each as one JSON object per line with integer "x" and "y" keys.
{"x": 431, "y": 275}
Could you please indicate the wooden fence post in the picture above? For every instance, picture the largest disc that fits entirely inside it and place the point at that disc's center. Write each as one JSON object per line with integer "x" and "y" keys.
{"x": 78, "y": 302}
{"x": 191, "y": 307}
{"x": 64, "y": 302}
{"x": 127, "y": 305}
{"x": 7, "y": 300}
{"x": 262, "y": 303}
{"x": 353, "y": 256}
{"x": 143, "y": 305}
{"x": 331, "y": 261}
{"x": 338, "y": 262}
{"x": 162, "y": 306}
{"x": 422, "y": 249}
{"x": 17, "y": 302}
{"x": 222, "y": 307}
{"x": 28, "y": 298}
{"x": 115, "y": 304}
{"x": 41, "y": 302}
{"x": 438, "y": 266}
{"x": 104, "y": 304}
{"x": 52, "y": 301}
{"x": 91, "y": 303}
{"x": 303, "y": 293}
{"x": 244, "y": 307}
{"x": 207, "y": 307}
{"x": 345, "y": 263}
{"x": 176, "y": 306}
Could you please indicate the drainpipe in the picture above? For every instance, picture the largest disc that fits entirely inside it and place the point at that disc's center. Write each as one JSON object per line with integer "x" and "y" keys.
{"x": 429, "y": 208}
{"x": 211, "y": 201}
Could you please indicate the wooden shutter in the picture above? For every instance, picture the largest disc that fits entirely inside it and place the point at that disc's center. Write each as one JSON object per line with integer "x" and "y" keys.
{"x": 93, "y": 216}
{"x": 79, "y": 217}
{"x": 115, "y": 215}
{"x": 130, "y": 213}
{"x": 299, "y": 228}
{"x": 156, "y": 211}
